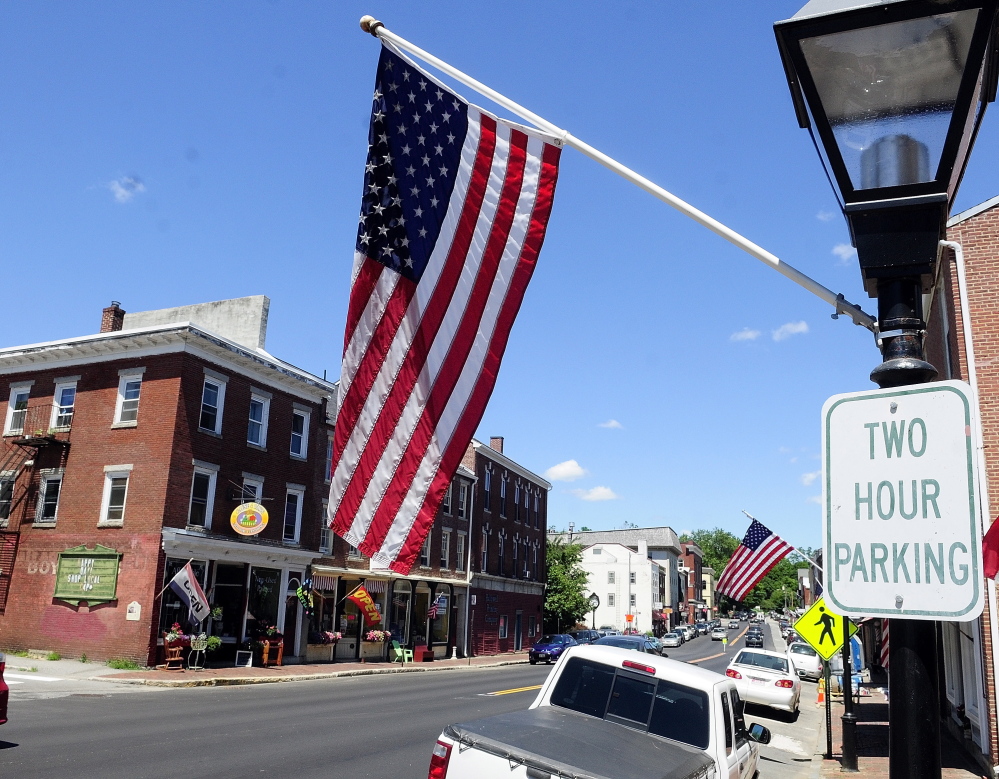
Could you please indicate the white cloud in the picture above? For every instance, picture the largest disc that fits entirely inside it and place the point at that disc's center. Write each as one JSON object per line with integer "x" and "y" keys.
{"x": 785, "y": 331}
{"x": 611, "y": 424}
{"x": 125, "y": 188}
{"x": 570, "y": 470}
{"x": 784, "y": 450}
{"x": 809, "y": 478}
{"x": 745, "y": 335}
{"x": 844, "y": 252}
{"x": 596, "y": 494}
{"x": 815, "y": 499}
{"x": 825, "y": 216}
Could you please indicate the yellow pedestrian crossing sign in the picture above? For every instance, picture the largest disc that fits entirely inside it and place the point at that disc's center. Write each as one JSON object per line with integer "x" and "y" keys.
{"x": 822, "y": 629}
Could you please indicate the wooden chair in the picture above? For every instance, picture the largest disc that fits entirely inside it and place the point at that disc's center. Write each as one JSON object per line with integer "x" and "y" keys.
{"x": 174, "y": 656}
{"x": 400, "y": 653}
{"x": 272, "y": 646}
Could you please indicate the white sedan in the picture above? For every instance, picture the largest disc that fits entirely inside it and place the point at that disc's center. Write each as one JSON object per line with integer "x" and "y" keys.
{"x": 671, "y": 639}
{"x": 806, "y": 661}
{"x": 767, "y": 678}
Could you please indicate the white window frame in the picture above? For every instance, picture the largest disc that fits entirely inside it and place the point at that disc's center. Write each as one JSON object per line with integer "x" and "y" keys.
{"x": 425, "y": 552}
{"x": 219, "y": 381}
{"x": 462, "y": 500}
{"x": 306, "y": 416}
{"x": 610, "y": 600}
{"x": 126, "y": 377}
{"x": 112, "y": 472}
{"x": 484, "y": 561}
{"x": 255, "y": 484}
{"x": 516, "y": 501}
{"x": 502, "y": 509}
{"x": 7, "y": 482}
{"x": 265, "y": 411}
{"x": 487, "y": 487}
{"x": 299, "y": 490}
{"x": 459, "y": 553}
{"x": 633, "y": 600}
{"x": 353, "y": 553}
{"x": 60, "y": 385}
{"x": 52, "y": 475}
{"x": 446, "y": 550}
{"x": 212, "y": 472}
{"x": 503, "y": 629}
{"x": 328, "y": 475}
{"x": 537, "y": 511}
{"x": 325, "y": 534}
{"x": 15, "y": 390}
{"x": 446, "y": 500}
{"x": 610, "y": 577}
{"x": 633, "y": 578}
{"x": 516, "y": 557}
{"x": 532, "y": 626}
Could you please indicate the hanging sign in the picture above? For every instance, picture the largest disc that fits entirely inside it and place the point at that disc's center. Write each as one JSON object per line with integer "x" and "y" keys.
{"x": 363, "y": 600}
{"x": 89, "y": 575}
{"x": 248, "y": 519}
{"x": 902, "y": 536}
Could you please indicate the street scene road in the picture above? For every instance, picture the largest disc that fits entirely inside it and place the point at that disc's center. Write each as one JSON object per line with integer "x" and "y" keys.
{"x": 370, "y": 726}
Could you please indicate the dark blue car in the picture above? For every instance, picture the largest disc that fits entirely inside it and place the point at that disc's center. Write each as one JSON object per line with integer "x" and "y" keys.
{"x": 549, "y": 648}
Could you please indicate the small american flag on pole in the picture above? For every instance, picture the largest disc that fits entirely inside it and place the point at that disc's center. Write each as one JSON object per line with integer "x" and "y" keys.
{"x": 454, "y": 211}
{"x": 435, "y": 607}
{"x": 758, "y": 553}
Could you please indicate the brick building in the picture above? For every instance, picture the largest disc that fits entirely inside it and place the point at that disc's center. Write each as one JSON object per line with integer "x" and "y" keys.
{"x": 691, "y": 558}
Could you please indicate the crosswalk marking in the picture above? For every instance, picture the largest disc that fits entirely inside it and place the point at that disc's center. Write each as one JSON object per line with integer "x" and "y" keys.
{"x": 33, "y": 677}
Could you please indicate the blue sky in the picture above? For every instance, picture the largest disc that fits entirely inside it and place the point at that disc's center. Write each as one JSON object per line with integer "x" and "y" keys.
{"x": 174, "y": 153}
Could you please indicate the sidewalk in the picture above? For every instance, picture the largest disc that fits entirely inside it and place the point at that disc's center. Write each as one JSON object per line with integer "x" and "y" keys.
{"x": 872, "y": 743}
{"x": 213, "y": 677}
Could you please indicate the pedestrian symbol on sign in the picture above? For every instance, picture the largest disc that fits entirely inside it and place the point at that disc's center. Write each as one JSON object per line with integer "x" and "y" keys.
{"x": 828, "y": 622}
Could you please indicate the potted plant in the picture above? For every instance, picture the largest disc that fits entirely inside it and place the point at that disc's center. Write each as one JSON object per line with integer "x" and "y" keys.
{"x": 216, "y": 613}
{"x": 321, "y": 646}
{"x": 373, "y": 644}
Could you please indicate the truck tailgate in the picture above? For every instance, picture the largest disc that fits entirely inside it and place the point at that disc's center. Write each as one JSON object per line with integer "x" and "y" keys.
{"x": 568, "y": 744}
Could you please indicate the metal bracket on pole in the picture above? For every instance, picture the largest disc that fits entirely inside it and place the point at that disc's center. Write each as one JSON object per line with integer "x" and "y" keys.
{"x": 374, "y": 27}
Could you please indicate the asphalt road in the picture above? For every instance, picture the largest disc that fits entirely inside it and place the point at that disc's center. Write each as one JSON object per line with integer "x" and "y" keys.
{"x": 373, "y": 726}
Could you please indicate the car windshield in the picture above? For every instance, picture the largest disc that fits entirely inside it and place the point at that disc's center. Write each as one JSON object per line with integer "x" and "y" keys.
{"x": 661, "y": 707}
{"x": 758, "y": 660}
{"x": 552, "y": 640}
{"x": 802, "y": 649}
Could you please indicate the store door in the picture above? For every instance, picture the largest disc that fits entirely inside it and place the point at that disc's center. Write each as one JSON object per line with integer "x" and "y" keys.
{"x": 518, "y": 632}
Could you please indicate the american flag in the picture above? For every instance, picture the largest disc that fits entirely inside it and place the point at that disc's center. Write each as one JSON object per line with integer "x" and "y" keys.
{"x": 758, "y": 553}
{"x": 453, "y": 215}
{"x": 435, "y": 607}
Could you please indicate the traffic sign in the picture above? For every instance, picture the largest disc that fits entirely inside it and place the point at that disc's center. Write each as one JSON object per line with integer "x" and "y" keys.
{"x": 822, "y": 629}
{"x": 901, "y": 529}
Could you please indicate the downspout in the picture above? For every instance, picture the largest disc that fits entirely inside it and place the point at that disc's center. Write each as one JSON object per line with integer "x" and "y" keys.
{"x": 468, "y": 570}
{"x": 983, "y": 481}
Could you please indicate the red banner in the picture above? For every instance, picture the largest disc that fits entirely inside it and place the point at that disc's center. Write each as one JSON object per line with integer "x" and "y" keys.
{"x": 362, "y": 598}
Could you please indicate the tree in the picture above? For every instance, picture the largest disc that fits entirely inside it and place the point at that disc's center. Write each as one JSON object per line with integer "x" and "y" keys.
{"x": 566, "y": 601}
{"x": 717, "y": 545}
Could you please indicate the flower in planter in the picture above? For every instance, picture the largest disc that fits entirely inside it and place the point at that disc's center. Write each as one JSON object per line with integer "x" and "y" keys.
{"x": 176, "y": 633}
{"x": 324, "y": 637}
{"x": 377, "y": 635}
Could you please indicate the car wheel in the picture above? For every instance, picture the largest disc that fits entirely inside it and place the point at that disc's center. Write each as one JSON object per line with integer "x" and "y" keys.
{"x": 532, "y": 660}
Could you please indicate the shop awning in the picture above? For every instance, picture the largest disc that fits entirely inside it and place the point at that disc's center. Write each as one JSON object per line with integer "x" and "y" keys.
{"x": 324, "y": 582}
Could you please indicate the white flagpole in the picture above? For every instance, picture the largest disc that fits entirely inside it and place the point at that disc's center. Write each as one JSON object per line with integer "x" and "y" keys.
{"x": 376, "y": 28}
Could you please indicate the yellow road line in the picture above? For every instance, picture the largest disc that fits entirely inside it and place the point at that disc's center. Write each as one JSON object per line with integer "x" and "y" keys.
{"x": 516, "y": 689}
{"x": 712, "y": 657}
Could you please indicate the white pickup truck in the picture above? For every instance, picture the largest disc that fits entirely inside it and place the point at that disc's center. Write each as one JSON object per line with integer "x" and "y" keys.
{"x": 609, "y": 712}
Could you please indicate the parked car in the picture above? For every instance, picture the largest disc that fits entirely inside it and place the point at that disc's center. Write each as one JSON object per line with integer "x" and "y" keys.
{"x": 585, "y": 636}
{"x": 548, "y": 648}
{"x": 656, "y": 643}
{"x": 733, "y": 624}
{"x": 4, "y": 690}
{"x": 754, "y": 638}
{"x": 766, "y": 678}
{"x": 688, "y": 631}
{"x": 806, "y": 661}
{"x": 636, "y": 643}
{"x": 702, "y": 628}
{"x": 719, "y": 634}
{"x": 671, "y": 639}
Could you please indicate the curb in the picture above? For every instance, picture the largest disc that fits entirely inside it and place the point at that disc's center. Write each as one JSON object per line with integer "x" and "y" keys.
{"x": 244, "y": 680}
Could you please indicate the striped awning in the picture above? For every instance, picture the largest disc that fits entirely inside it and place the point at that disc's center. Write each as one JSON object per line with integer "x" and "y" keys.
{"x": 324, "y": 582}
{"x": 374, "y": 585}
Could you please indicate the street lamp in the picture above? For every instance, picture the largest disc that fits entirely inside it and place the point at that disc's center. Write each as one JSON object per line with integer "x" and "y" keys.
{"x": 896, "y": 90}
{"x": 594, "y": 605}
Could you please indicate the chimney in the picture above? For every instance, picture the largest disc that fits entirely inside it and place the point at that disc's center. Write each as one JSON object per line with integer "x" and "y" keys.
{"x": 112, "y": 318}
{"x": 496, "y": 442}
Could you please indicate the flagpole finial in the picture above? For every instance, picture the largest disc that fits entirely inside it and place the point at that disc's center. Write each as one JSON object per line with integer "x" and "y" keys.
{"x": 370, "y": 25}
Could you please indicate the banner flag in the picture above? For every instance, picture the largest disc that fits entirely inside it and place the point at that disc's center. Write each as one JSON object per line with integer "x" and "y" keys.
{"x": 185, "y": 584}
{"x": 363, "y": 600}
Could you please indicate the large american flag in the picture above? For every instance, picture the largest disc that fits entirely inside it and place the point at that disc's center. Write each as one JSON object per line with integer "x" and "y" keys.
{"x": 454, "y": 212}
{"x": 758, "y": 553}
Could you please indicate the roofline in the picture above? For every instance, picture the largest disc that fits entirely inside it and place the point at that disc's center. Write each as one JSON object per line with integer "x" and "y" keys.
{"x": 973, "y": 211}
{"x": 508, "y": 463}
{"x": 179, "y": 328}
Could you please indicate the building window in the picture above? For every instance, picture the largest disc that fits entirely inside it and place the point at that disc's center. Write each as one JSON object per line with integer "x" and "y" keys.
{"x": 537, "y": 512}
{"x": 527, "y": 572}
{"x": 256, "y": 428}
{"x": 6, "y": 498}
{"x": 502, "y": 553}
{"x": 113, "y": 500}
{"x": 48, "y": 498}
{"x": 293, "y": 514}
{"x": 631, "y": 577}
{"x": 532, "y": 626}
{"x": 445, "y": 550}
{"x": 503, "y": 621}
{"x": 63, "y": 404}
{"x": 631, "y": 599}
{"x": 446, "y": 503}
{"x": 202, "y": 498}
{"x": 462, "y": 500}
{"x": 329, "y": 459}
{"x": 535, "y": 561}
{"x": 253, "y": 490}
{"x": 485, "y": 551}
{"x": 516, "y": 502}
{"x": 487, "y": 487}
{"x": 425, "y": 552}
{"x": 17, "y": 410}
{"x": 503, "y": 497}
{"x": 459, "y": 553}
{"x": 299, "y": 434}
{"x": 353, "y": 552}
{"x": 516, "y": 558}
{"x": 610, "y": 577}
{"x": 610, "y": 599}
{"x": 325, "y": 534}
{"x": 126, "y": 410}
{"x": 527, "y": 508}
{"x": 212, "y": 396}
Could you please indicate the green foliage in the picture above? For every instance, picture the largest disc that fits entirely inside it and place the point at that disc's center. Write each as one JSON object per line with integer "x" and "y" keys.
{"x": 718, "y": 546}
{"x": 83, "y": 658}
{"x": 565, "y": 597}
{"x": 53, "y": 656}
{"x": 20, "y": 653}
{"x": 32, "y": 669}
{"x": 214, "y": 643}
{"x": 780, "y": 583}
{"x": 123, "y": 664}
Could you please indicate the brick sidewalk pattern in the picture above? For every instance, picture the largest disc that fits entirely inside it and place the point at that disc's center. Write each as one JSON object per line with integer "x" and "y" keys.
{"x": 215, "y": 677}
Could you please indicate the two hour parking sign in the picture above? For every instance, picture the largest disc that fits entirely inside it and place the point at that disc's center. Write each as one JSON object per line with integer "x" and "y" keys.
{"x": 901, "y": 530}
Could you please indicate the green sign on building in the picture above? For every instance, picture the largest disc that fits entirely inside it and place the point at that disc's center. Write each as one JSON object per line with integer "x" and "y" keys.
{"x": 89, "y": 575}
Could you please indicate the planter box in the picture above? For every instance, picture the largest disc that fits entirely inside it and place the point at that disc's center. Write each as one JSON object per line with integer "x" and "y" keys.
{"x": 372, "y": 650}
{"x": 320, "y": 653}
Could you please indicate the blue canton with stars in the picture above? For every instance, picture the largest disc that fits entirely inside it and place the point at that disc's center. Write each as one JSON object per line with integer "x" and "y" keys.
{"x": 756, "y": 535}
{"x": 414, "y": 149}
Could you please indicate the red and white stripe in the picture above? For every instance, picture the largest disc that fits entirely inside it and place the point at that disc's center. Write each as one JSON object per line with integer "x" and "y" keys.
{"x": 420, "y": 361}
{"x": 884, "y": 644}
{"x": 747, "y": 567}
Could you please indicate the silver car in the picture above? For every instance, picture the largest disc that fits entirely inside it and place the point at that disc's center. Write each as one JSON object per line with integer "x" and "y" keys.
{"x": 671, "y": 639}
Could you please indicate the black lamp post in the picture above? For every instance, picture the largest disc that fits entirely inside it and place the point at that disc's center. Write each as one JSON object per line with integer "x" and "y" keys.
{"x": 594, "y": 605}
{"x": 896, "y": 90}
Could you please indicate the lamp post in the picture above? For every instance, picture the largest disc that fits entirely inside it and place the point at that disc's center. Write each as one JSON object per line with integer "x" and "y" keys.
{"x": 896, "y": 90}
{"x": 594, "y": 601}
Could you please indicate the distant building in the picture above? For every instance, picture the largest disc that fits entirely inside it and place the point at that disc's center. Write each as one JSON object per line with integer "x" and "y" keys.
{"x": 691, "y": 560}
{"x": 708, "y": 591}
{"x": 629, "y": 584}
